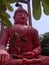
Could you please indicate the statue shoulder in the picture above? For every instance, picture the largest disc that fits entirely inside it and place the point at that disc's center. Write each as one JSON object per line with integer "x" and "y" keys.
{"x": 32, "y": 29}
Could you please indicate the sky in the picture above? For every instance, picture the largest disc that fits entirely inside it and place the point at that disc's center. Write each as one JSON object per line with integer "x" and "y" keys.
{"x": 41, "y": 25}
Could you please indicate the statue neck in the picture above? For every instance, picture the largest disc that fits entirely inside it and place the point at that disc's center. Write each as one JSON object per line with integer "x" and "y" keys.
{"x": 21, "y": 23}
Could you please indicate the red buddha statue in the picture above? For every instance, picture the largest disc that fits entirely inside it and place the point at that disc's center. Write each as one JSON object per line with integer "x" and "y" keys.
{"x": 24, "y": 51}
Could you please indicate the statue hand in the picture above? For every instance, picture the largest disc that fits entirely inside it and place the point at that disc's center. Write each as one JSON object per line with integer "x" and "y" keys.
{"x": 4, "y": 56}
{"x": 15, "y": 56}
{"x": 28, "y": 54}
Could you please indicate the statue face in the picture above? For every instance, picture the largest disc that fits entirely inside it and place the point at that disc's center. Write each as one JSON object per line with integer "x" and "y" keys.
{"x": 21, "y": 18}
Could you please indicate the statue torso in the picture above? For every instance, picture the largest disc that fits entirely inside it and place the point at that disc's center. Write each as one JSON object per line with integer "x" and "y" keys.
{"x": 21, "y": 46}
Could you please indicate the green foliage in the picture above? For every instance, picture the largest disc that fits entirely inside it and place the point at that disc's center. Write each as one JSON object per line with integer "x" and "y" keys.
{"x": 45, "y": 39}
{"x": 7, "y": 4}
{"x": 36, "y": 6}
{"x": 45, "y": 43}
{"x": 45, "y": 4}
{"x": 13, "y": 1}
{"x": 4, "y": 16}
{"x": 36, "y": 9}
{"x": 5, "y": 21}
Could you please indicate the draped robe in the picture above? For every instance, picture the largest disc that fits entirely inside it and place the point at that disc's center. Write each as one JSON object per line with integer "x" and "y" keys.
{"x": 18, "y": 49}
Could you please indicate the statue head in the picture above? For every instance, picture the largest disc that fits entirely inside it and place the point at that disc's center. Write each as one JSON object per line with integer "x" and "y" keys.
{"x": 20, "y": 16}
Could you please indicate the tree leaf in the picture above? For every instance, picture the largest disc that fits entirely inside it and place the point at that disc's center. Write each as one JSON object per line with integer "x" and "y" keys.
{"x": 9, "y": 7}
{"x": 46, "y": 11}
{"x": 45, "y": 4}
{"x": 36, "y": 9}
{"x": 5, "y": 21}
{"x": 7, "y": 4}
{"x": 2, "y": 6}
{"x": 13, "y": 1}
{"x": 4, "y": 13}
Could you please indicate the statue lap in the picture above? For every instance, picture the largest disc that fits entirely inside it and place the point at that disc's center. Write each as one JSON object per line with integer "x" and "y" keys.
{"x": 42, "y": 60}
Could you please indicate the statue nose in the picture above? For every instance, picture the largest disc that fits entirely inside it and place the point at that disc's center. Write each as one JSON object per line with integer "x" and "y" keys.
{"x": 22, "y": 16}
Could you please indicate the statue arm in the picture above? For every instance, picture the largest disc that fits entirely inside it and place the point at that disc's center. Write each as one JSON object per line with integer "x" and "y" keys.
{"x": 4, "y": 39}
{"x": 3, "y": 53}
{"x": 37, "y": 48}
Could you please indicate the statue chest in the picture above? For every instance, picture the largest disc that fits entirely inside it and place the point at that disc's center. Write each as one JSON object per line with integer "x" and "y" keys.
{"x": 20, "y": 29}
{"x": 20, "y": 44}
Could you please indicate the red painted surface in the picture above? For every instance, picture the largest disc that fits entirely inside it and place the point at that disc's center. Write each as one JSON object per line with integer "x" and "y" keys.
{"x": 23, "y": 53}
